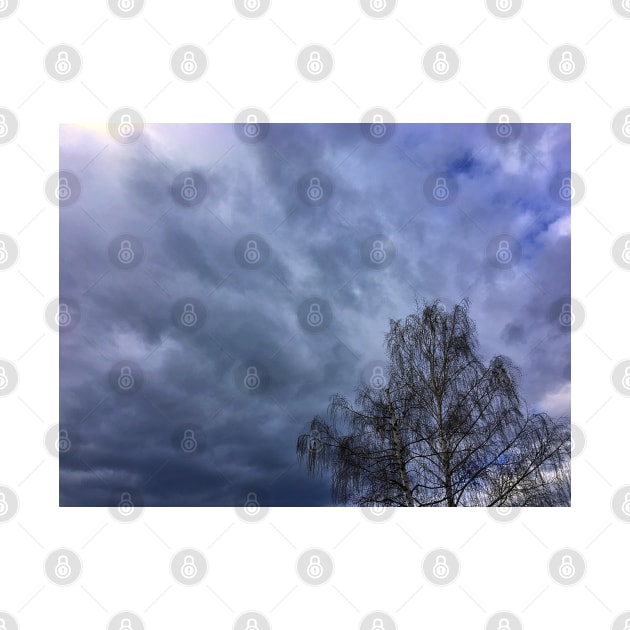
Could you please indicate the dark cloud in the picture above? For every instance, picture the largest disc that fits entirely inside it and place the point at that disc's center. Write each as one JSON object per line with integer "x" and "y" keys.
{"x": 513, "y": 333}
{"x": 194, "y": 378}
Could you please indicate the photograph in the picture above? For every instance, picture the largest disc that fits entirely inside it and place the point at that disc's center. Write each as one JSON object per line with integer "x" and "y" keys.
{"x": 372, "y": 314}
{"x": 275, "y": 272}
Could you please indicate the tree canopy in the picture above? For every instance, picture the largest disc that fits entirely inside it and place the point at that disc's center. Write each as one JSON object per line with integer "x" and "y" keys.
{"x": 441, "y": 427}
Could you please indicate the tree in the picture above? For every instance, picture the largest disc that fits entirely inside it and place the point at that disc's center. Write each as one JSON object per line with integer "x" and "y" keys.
{"x": 442, "y": 428}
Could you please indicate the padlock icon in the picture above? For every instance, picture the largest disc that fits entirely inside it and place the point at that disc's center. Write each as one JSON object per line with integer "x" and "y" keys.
{"x": 125, "y": 5}
{"x": 4, "y": 506}
{"x": 189, "y": 191}
{"x": 126, "y": 380}
{"x": 189, "y": 441}
{"x": 625, "y": 381}
{"x": 252, "y": 5}
{"x": 252, "y": 624}
{"x": 567, "y": 568}
{"x": 378, "y": 5}
{"x": 440, "y": 568}
{"x": 440, "y": 63}
{"x": 377, "y": 126}
{"x": 4, "y": 381}
{"x": 504, "y": 5}
{"x": 566, "y": 190}
{"x": 125, "y": 505}
{"x": 63, "y": 317}
{"x": 252, "y": 506}
{"x": 252, "y": 380}
{"x": 315, "y": 191}
{"x": 252, "y": 253}
{"x": 567, "y": 63}
{"x": 189, "y": 64}
{"x": 62, "y": 64}
{"x": 125, "y": 624}
{"x": 378, "y": 255}
{"x": 504, "y": 128}
{"x": 625, "y": 506}
{"x": 188, "y": 318}
{"x": 126, "y": 254}
{"x": 504, "y": 624}
{"x": 377, "y": 380}
{"x": 63, "y": 191}
{"x": 314, "y": 440}
{"x": 377, "y": 624}
{"x": 625, "y": 129}
{"x": 4, "y": 254}
{"x": 189, "y": 568}
{"x": 63, "y": 570}
{"x": 314, "y": 64}
{"x": 315, "y": 570}
{"x": 4, "y": 128}
{"x": 440, "y": 190}
{"x": 566, "y": 317}
{"x": 625, "y": 255}
{"x": 63, "y": 443}
{"x": 126, "y": 128}
{"x": 252, "y": 128}
{"x": 315, "y": 317}
{"x": 504, "y": 253}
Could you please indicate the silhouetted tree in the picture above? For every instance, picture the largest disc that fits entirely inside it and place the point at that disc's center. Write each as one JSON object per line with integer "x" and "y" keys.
{"x": 441, "y": 428}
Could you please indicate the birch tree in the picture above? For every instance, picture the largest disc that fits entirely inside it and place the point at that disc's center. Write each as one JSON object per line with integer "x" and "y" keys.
{"x": 443, "y": 428}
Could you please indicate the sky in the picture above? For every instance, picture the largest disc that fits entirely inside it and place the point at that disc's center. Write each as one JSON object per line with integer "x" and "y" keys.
{"x": 203, "y": 296}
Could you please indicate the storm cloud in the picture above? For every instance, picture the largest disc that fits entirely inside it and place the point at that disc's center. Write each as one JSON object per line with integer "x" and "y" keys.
{"x": 192, "y": 259}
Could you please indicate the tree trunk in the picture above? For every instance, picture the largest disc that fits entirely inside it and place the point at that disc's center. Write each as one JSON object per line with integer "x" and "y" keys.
{"x": 402, "y": 469}
{"x": 445, "y": 457}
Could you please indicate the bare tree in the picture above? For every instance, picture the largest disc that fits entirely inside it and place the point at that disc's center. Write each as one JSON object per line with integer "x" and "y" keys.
{"x": 442, "y": 428}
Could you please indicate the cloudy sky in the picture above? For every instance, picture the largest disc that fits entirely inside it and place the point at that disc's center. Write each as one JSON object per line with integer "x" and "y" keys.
{"x": 223, "y": 283}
